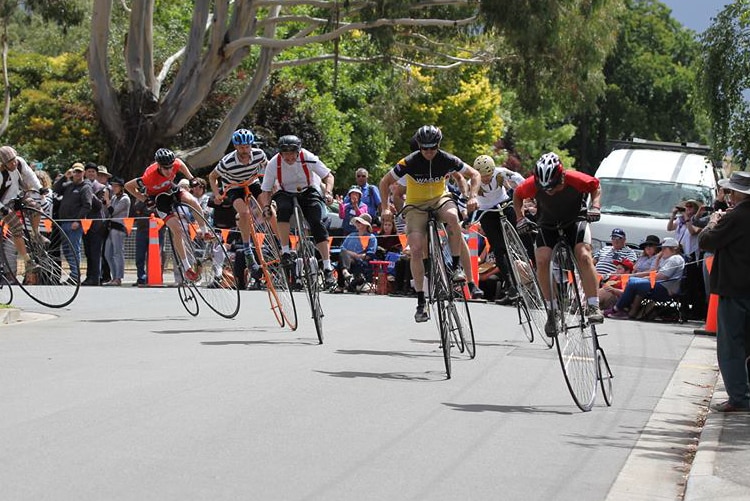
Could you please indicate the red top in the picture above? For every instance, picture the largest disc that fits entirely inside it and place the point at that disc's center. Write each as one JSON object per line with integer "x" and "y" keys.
{"x": 155, "y": 182}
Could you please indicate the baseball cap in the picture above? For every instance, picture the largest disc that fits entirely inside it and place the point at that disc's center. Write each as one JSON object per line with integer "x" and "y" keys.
{"x": 78, "y": 166}
{"x": 618, "y": 233}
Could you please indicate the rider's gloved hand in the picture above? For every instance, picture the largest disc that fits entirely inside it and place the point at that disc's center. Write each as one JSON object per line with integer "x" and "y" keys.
{"x": 4, "y": 210}
{"x": 150, "y": 204}
{"x": 267, "y": 212}
{"x": 524, "y": 226}
{"x": 594, "y": 214}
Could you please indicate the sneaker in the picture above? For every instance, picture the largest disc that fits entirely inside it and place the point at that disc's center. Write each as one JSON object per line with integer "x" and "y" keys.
{"x": 458, "y": 276}
{"x": 613, "y": 313}
{"x": 422, "y": 315}
{"x": 476, "y": 292}
{"x": 191, "y": 275}
{"x": 727, "y": 406}
{"x": 250, "y": 262}
{"x": 289, "y": 259}
{"x": 504, "y": 300}
{"x": 256, "y": 273}
{"x": 594, "y": 314}
{"x": 550, "y": 327}
{"x": 329, "y": 280}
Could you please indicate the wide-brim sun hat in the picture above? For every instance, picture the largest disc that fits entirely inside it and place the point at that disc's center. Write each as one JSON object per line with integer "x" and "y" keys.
{"x": 650, "y": 240}
{"x": 361, "y": 220}
{"x": 738, "y": 181}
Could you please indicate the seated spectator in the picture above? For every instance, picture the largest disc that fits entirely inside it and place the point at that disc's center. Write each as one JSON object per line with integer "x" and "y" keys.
{"x": 647, "y": 261}
{"x": 670, "y": 266}
{"x": 353, "y": 265}
{"x": 352, "y": 209}
{"x": 388, "y": 240}
{"x": 605, "y": 258}
{"x": 612, "y": 289}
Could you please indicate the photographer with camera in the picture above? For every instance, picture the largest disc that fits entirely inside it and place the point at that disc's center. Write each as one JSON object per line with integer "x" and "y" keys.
{"x": 682, "y": 222}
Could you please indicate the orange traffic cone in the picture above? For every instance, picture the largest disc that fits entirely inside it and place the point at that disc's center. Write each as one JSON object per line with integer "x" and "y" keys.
{"x": 710, "y": 328}
{"x": 154, "y": 273}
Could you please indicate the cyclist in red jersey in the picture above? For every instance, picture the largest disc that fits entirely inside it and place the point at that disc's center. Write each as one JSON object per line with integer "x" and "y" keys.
{"x": 156, "y": 188}
{"x": 561, "y": 197}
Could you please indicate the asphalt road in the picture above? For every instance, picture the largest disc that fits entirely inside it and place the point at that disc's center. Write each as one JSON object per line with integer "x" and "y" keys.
{"x": 124, "y": 396}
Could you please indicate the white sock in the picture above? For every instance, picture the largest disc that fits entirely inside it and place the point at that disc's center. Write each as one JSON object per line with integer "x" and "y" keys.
{"x": 186, "y": 264}
{"x": 593, "y": 300}
{"x": 327, "y": 264}
{"x": 284, "y": 249}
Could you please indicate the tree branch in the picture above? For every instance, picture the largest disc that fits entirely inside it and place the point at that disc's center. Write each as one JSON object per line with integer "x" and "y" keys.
{"x": 104, "y": 95}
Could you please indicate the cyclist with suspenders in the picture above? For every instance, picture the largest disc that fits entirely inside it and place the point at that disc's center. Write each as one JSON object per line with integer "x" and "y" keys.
{"x": 298, "y": 172}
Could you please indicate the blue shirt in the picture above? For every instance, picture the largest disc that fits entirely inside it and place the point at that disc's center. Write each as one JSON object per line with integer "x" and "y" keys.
{"x": 353, "y": 243}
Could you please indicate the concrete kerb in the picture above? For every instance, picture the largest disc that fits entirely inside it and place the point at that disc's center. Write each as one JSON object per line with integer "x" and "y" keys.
{"x": 656, "y": 467}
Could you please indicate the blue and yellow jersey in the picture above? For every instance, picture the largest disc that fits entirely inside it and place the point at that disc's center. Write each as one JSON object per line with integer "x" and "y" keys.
{"x": 425, "y": 179}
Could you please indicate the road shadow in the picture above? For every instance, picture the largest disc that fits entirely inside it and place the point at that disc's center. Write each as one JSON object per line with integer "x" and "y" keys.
{"x": 125, "y": 319}
{"x": 506, "y": 409}
{"x": 414, "y": 377}
{"x": 387, "y": 353}
{"x": 266, "y": 342}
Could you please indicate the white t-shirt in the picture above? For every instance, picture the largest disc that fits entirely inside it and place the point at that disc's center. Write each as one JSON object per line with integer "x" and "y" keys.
{"x": 493, "y": 193}
{"x": 307, "y": 170}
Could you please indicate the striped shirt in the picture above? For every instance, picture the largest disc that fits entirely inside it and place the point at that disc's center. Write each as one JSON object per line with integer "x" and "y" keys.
{"x": 606, "y": 255}
{"x": 232, "y": 170}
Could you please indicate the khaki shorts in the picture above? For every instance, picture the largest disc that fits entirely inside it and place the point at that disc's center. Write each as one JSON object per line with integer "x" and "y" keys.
{"x": 416, "y": 220}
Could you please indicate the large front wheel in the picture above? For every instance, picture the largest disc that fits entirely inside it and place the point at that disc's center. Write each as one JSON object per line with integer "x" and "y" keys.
{"x": 575, "y": 341}
{"x": 46, "y": 277}
{"x": 269, "y": 253}
{"x": 527, "y": 283}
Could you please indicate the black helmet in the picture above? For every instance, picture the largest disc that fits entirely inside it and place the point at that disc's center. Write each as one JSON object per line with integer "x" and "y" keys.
{"x": 164, "y": 157}
{"x": 243, "y": 136}
{"x": 290, "y": 143}
{"x": 548, "y": 171}
{"x": 429, "y": 136}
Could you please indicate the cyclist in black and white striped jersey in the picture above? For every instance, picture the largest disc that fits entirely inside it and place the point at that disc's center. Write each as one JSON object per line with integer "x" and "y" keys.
{"x": 244, "y": 165}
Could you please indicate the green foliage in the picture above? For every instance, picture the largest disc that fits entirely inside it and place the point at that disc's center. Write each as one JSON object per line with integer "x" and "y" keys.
{"x": 530, "y": 136}
{"x": 553, "y": 51}
{"x": 51, "y": 118}
{"x": 725, "y": 80}
{"x": 650, "y": 77}
{"x": 462, "y": 103}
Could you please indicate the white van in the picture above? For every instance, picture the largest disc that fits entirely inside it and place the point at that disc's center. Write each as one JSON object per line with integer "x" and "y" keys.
{"x": 642, "y": 181}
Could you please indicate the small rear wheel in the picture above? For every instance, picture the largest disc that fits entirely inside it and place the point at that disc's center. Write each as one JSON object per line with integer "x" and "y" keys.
{"x": 604, "y": 374}
{"x": 6, "y": 291}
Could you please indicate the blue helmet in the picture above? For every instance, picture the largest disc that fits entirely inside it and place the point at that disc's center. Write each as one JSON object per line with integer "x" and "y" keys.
{"x": 243, "y": 136}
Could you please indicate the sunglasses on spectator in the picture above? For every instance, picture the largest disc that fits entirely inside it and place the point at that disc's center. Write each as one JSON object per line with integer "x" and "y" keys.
{"x": 361, "y": 175}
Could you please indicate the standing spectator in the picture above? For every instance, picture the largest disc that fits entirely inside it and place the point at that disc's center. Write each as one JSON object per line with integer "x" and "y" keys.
{"x": 198, "y": 190}
{"x": 93, "y": 239}
{"x": 370, "y": 195}
{"x": 351, "y": 209}
{"x": 118, "y": 207}
{"x": 75, "y": 204}
{"x": 727, "y": 236}
{"x": 103, "y": 176}
{"x": 686, "y": 234}
{"x": 142, "y": 215}
{"x": 604, "y": 258}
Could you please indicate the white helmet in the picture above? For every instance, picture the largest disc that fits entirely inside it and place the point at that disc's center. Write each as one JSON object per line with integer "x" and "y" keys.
{"x": 484, "y": 164}
{"x": 548, "y": 171}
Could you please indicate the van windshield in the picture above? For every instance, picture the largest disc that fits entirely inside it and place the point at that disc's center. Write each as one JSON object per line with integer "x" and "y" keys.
{"x": 635, "y": 197}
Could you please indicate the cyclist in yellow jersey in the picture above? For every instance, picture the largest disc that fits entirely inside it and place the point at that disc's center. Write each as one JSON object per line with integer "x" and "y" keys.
{"x": 425, "y": 171}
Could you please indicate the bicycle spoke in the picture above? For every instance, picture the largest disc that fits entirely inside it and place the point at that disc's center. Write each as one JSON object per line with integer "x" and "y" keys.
{"x": 46, "y": 277}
